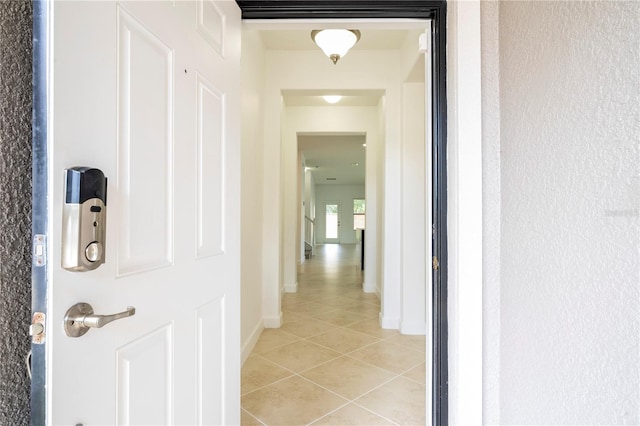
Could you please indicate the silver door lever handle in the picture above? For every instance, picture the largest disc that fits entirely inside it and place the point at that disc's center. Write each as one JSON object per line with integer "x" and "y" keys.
{"x": 80, "y": 318}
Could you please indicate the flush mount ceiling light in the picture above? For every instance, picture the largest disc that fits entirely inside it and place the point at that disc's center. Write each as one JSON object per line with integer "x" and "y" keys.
{"x": 335, "y": 43}
{"x": 332, "y": 99}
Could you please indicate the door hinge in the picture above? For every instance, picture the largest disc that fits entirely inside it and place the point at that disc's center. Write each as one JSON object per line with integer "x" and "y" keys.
{"x": 36, "y": 329}
{"x": 436, "y": 263}
{"x": 423, "y": 43}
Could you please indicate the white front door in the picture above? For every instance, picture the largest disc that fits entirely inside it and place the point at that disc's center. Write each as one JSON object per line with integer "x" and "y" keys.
{"x": 148, "y": 92}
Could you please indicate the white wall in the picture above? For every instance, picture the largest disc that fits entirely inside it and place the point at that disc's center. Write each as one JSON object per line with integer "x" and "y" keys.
{"x": 344, "y": 196}
{"x": 377, "y": 244}
{"x": 414, "y": 266}
{"x": 251, "y": 191}
{"x": 464, "y": 215}
{"x": 301, "y": 206}
{"x": 569, "y": 270}
{"x": 491, "y": 213}
{"x": 310, "y": 195}
{"x": 310, "y": 203}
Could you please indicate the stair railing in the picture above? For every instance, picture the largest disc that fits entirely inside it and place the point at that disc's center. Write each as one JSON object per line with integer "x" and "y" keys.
{"x": 309, "y": 236}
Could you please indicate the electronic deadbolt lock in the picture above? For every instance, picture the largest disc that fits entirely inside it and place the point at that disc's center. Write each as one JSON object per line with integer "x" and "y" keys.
{"x": 84, "y": 219}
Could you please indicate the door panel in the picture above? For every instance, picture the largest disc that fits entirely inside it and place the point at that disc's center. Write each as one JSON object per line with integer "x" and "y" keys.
{"x": 211, "y": 137}
{"x": 142, "y": 92}
{"x": 210, "y": 362}
{"x": 144, "y": 376}
{"x": 145, "y": 147}
{"x": 211, "y": 24}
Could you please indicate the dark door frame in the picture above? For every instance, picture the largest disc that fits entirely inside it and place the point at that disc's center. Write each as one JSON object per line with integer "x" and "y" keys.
{"x": 415, "y": 9}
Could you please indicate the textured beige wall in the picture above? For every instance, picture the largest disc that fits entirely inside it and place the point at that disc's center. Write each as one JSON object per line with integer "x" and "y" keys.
{"x": 491, "y": 211}
{"x": 569, "y": 136}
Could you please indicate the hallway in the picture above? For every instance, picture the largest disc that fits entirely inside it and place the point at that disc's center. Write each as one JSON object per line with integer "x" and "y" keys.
{"x": 330, "y": 363}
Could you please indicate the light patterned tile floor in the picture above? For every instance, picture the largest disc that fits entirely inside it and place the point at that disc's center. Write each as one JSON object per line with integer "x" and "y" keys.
{"x": 331, "y": 363}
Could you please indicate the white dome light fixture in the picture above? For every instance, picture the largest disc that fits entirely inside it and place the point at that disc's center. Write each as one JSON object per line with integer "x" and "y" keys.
{"x": 335, "y": 43}
{"x": 332, "y": 99}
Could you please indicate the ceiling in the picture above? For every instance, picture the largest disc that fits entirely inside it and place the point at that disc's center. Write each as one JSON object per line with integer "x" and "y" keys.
{"x": 334, "y": 156}
{"x": 300, "y": 39}
{"x": 314, "y": 97}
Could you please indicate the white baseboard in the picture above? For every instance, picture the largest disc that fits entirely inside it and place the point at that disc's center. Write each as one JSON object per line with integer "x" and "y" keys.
{"x": 291, "y": 288}
{"x": 272, "y": 322}
{"x": 369, "y": 288}
{"x": 418, "y": 328}
{"x": 389, "y": 323}
{"x": 248, "y": 346}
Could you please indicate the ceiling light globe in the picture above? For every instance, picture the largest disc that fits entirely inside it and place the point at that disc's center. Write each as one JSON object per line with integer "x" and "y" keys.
{"x": 335, "y": 43}
{"x": 332, "y": 99}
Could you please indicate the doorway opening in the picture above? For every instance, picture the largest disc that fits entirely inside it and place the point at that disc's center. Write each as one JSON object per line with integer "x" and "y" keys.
{"x": 332, "y": 223}
{"x": 332, "y": 176}
{"x": 438, "y": 104}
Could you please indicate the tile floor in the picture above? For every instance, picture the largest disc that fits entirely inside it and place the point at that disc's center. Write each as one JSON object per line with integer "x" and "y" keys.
{"x": 330, "y": 363}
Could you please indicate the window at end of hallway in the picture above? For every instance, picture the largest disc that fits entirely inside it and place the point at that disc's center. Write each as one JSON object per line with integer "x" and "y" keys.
{"x": 358, "y": 213}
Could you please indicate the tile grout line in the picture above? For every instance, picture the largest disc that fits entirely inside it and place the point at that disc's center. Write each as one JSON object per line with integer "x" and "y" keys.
{"x": 350, "y": 400}
{"x": 350, "y": 303}
{"x": 249, "y": 413}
